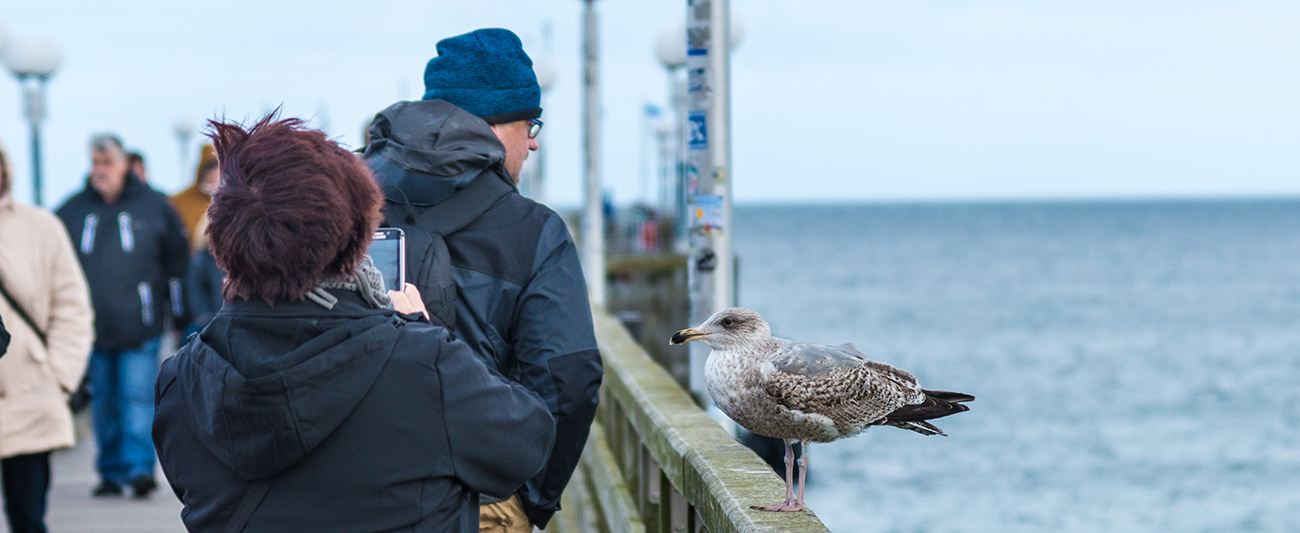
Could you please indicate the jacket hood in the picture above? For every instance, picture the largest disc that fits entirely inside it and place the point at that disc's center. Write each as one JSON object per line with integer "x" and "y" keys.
{"x": 422, "y": 152}
{"x": 263, "y": 387}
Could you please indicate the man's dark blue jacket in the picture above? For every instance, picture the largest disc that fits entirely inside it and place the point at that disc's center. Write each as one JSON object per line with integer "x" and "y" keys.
{"x": 134, "y": 254}
{"x": 363, "y": 421}
{"x": 521, "y": 298}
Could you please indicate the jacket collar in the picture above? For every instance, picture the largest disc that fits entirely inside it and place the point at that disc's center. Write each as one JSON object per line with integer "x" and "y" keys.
{"x": 133, "y": 186}
{"x": 422, "y": 152}
{"x": 350, "y": 304}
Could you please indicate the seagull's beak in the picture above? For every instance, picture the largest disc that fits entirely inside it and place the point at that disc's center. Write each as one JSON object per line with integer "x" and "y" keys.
{"x": 687, "y": 335}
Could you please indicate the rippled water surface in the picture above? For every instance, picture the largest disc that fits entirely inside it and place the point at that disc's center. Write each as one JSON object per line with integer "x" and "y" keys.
{"x": 1137, "y": 364}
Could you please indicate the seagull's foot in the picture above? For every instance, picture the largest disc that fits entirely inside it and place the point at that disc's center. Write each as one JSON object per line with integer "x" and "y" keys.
{"x": 787, "y": 507}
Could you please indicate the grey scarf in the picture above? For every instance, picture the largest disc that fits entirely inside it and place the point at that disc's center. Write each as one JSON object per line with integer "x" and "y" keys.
{"x": 366, "y": 281}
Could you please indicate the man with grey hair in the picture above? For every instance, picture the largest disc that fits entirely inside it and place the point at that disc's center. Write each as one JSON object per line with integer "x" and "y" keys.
{"x": 134, "y": 252}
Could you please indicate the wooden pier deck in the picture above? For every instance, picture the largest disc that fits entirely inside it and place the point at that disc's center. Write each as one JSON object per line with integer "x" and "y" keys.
{"x": 73, "y": 510}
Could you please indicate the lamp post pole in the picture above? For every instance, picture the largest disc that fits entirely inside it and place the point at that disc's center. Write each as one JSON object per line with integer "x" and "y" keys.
{"x": 593, "y": 223}
{"x": 671, "y": 50}
{"x": 34, "y": 106}
{"x": 183, "y": 128}
{"x": 33, "y": 62}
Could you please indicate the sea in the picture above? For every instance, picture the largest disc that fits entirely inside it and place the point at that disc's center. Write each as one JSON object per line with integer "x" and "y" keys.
{"x": 1136, "y": 364}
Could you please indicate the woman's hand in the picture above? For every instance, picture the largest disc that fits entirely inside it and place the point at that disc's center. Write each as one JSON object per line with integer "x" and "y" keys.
{"x": 409, "y": 301}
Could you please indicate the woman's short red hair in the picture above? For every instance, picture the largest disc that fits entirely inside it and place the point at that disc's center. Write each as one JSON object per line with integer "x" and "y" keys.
{"x": 293, "y": 208}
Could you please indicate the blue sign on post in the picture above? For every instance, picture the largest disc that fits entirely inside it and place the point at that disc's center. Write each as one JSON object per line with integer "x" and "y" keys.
{"x": 697, "y": 130}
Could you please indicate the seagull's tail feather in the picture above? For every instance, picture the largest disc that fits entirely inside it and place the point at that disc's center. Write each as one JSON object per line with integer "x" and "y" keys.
{"x": 953, "y": 397}
{"x": 937, "y": 404}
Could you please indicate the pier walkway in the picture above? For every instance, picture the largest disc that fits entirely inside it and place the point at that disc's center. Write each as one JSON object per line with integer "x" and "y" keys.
{"x": 72, "y": 510}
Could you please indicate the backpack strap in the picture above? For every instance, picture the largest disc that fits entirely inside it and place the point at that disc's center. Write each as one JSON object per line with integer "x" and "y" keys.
{"x": 26, "y": 317}
{"x": 453, "y": 214}
{"x": 252, "y": 498}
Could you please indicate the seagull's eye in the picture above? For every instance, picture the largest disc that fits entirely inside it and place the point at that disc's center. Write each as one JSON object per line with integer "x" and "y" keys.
{"x": 728, "y": 322}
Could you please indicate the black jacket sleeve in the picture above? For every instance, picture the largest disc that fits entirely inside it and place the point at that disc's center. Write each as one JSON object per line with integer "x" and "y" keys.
{"x": 175, "y": 263}
{"x": 480, "y": 409}
{"x": 555, "y": 343}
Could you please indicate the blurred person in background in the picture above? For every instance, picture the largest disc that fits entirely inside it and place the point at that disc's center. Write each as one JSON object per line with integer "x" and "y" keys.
{"x": 192, "y": 203}
{"x": 134, "y": 254}
{"x": 46, "y": 308}
{"x": 520, "y": 299}
{"x": 203, "y": 282}
{"x": 308, "y": 404}
{"x": 135, "y": 163}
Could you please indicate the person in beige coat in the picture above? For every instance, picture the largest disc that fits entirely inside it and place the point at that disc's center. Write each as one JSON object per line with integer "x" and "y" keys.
{"x": 40, "y": 272}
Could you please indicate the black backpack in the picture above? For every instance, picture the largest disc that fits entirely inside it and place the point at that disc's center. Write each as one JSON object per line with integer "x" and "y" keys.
{"x": 428, "y": 264}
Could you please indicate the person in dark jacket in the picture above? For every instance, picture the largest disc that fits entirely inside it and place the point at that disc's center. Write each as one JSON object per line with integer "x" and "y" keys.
{"x": 134, "y": 253}
{"x": 521, "y": 298}
{"x": 308, "y": 404}
{"x": 203, "y": 282}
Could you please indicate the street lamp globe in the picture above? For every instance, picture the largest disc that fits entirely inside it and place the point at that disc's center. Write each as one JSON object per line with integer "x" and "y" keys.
{"x": 737, "y": 30}
{"x": 544, "y": 68}
{"x": 33, "y": 57}
{"x": 4, "y": 40}
{"x": 183, "y": 127}
{"x": 670, "y": 47}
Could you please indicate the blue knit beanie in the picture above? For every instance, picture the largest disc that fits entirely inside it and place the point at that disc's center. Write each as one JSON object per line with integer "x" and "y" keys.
{"x": 487, "y": 73}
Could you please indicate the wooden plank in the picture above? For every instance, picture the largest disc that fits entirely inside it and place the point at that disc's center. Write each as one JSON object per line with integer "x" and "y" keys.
{"x": 613, "y": 496}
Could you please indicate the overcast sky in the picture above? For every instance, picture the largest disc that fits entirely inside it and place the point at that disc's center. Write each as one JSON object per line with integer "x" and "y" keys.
{"x": 836, "y": 100}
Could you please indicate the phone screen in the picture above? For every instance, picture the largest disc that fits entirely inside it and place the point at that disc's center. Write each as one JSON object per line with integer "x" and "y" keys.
{"x": 388, "y": 253}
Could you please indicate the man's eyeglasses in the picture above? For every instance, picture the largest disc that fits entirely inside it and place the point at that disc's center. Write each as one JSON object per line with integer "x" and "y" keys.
{"x": 534, "y": 127}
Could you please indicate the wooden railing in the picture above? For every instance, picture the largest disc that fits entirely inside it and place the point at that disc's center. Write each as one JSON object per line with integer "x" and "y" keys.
{"x": 656, "y": 462}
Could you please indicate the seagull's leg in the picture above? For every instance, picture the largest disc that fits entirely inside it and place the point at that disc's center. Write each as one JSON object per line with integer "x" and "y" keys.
{"x": 803, "y": 472}
{"x": 789, "y": 484}
{"x": 789, "y": 472}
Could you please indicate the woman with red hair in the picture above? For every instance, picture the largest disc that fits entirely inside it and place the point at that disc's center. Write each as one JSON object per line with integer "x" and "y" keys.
{"x": 307, "y": 404}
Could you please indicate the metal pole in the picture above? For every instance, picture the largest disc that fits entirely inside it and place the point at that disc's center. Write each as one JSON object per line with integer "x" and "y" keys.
{"x": 593, "y": 223}
{"x": 709, "y": 167}
{"x": 36, "y": 163}
{"x": 34, "y": 94}
{"x": 683, "y": 220}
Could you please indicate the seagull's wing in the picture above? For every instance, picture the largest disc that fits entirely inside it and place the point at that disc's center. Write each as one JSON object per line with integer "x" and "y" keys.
{"x": 836, "y": 381}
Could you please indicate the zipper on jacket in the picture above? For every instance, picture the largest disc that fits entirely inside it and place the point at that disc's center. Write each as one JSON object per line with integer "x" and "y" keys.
{"x": 88, "y": 234}
{"x": 146, "y": 302}
{"x": 124, "y": 227}
{"x": 178, "y": 308}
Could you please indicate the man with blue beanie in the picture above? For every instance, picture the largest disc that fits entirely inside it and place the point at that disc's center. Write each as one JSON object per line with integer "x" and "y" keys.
{"x": 449, "y": 165}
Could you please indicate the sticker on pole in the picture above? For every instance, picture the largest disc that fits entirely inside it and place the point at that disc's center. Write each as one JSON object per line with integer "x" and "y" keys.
{"x": 697, "y": 130}
{"x": 708, "y": 214}
{"x": 696, "y": 82}
{"x": 697, "y": 41}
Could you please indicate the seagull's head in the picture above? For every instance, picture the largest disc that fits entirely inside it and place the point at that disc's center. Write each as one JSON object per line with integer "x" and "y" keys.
{"x": 733, "y": 327}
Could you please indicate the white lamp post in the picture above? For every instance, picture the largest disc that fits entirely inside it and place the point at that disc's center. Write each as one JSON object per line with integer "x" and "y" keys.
{"x": 33, "y": 61}
{"x": 183, "y": 128}
{"x": 670, "y": 48}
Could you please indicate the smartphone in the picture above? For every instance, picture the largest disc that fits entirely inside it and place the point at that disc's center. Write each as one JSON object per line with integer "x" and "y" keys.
{"x": 388, "y": 254}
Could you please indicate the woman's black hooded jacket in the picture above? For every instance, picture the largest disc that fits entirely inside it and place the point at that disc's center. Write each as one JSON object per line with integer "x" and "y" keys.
{"x": 363, "y": 420}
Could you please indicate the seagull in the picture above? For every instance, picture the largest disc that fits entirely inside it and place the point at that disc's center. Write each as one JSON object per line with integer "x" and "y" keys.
{"x": 808, "y": 392}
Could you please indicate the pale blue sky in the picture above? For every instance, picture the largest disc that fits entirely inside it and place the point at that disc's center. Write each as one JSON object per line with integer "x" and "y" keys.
{"x": 836, "y": 100}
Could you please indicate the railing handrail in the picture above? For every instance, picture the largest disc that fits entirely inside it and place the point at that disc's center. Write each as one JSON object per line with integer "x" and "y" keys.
{"x": 643, "y": 407}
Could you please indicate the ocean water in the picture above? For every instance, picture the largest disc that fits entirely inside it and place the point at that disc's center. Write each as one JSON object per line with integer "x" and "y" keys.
{"x": 1136, "y": 364}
